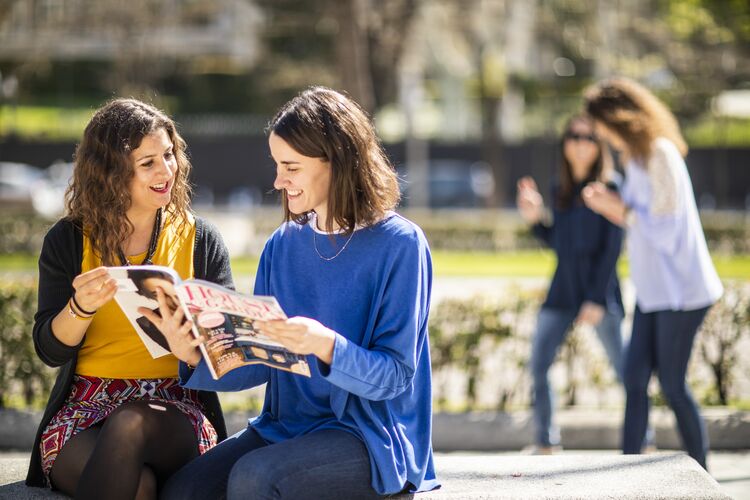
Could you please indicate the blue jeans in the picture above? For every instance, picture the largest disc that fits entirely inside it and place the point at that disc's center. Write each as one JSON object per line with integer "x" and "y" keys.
{"x": 663, "y": 341}
{"x": 551, "y": 329}
{"x": 329, "y": 463}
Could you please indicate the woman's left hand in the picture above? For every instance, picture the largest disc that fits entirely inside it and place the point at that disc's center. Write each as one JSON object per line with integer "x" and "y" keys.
{"x": 590, "y": 313}
{"x": 300, "y": 335}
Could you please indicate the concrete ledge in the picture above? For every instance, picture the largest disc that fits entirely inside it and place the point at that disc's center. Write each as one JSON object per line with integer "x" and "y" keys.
{"x": 12, "y": 474}
{"x": 581, "y": 429}
{"x": 18, "y": 428}
{"x": 573, "y": 476}
{"x": 664, "y": 476}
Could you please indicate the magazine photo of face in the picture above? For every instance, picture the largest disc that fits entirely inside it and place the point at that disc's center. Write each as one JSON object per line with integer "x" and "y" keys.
{"x": 137, "y": 287}
{"x": 224, "y": 319}
{"x": 146, "y": 284}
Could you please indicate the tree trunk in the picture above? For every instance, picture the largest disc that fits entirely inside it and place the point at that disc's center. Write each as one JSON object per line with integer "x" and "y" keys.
{"x": 492, "y": 148}
{"x": 352, "y": 52}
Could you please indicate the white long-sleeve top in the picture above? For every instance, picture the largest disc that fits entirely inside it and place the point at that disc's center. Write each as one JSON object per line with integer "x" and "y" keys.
{"x": 669, "y": 261}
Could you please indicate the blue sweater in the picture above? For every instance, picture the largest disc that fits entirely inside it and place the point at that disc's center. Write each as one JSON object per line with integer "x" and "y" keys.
{"x": 587, "y": 247}
{"x": 375, "y": 295}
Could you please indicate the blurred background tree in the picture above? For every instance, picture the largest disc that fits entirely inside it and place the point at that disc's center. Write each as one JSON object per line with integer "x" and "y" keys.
{"x": 497, "y": 73}
{"x": 467, "y": 95}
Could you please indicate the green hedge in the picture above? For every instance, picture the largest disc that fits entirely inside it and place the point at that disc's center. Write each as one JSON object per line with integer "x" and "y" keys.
{"x": 486, "y": 342}
{"x": 473, "y": 341}
{"x": 24, "y": 379}
{"x": 22, "y": 232}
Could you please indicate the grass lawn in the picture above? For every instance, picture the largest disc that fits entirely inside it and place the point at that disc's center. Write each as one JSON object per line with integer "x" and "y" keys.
{"x": 480, "y": 264}
{"x": 541, "y": 264}
{"x": 18, "y": 262}
{"x": 44, "y": 121}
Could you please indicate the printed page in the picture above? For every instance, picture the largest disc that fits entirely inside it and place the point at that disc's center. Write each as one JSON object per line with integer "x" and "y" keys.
{"x": 225, "y": 318}
{"x": 136, "y": 287}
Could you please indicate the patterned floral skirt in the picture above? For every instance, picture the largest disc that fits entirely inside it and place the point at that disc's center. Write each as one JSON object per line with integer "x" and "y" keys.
{"x": 92, "y": 400}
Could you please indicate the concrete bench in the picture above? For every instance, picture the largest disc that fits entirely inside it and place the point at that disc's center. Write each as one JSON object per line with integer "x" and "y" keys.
{"x": 478, "y": 476}
{"x": 583, "y": 429}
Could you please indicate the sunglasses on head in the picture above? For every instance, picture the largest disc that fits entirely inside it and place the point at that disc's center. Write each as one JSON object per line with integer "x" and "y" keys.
{"x": 572, "y": 136}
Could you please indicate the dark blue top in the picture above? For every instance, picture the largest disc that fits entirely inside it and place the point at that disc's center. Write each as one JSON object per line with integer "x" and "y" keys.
{"x": 375, "y": 295}
{"x": 587, "y": 246}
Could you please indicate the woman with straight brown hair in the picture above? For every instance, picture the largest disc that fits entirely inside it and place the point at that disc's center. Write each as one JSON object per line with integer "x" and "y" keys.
{"x": 117, "y": 423}
{"x": 675, "y": 280}
{"x": 355, "y": 279}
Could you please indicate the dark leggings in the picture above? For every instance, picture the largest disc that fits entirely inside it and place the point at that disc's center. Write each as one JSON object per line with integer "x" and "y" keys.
{"x": 129, "y": 456}
{"x": 662, "y": 341}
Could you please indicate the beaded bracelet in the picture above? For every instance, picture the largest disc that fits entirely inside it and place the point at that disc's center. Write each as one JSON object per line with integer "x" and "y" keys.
{"x": 81, "y": 309}
{"x": 72, "y": 312}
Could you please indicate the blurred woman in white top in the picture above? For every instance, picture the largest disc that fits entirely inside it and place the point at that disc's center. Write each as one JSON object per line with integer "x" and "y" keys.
{"x": 671, "y": 269}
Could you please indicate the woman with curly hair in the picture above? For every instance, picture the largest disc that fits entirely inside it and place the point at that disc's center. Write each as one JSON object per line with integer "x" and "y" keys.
{"x": 117, "y": 423}
{"x": 671, "y": 269}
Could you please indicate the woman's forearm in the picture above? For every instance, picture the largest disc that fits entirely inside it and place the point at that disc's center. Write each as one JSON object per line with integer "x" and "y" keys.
{"x": 68, "y": 328}
{"x": 618, "y": 213}
{"x": 607, "y": 204}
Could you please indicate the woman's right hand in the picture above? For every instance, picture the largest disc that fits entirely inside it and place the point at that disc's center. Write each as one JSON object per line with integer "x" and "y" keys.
{"x": 93, "y": 289}
{"x": 530, "y": 203}
{"x": 601, "y": 200}
{"x": 590, "y": 313}
{"x": 176, "y": 329}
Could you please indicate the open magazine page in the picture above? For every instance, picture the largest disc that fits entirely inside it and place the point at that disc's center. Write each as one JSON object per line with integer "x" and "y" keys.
{"x": 136, "y": 287}
{"x": 226, "y": 318}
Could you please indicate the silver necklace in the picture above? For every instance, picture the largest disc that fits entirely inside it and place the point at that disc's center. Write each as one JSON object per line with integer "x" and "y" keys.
{"x": 315, "y": 245}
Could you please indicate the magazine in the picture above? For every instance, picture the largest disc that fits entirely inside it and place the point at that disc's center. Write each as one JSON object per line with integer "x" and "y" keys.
{"x": 222, "y": 316}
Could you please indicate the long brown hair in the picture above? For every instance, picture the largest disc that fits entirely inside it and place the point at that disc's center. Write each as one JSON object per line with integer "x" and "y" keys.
{"x": 322, "y": 123}
{"x": 565, "y": 191}
{"x": 99, "y": 195}
{"x": 635, "y": 114}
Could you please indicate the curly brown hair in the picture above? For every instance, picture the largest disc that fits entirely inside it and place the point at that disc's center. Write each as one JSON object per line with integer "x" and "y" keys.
{"x": 634, "y": 113}
{"x": 323, "y": 123}
{"x": 98, "y": 197}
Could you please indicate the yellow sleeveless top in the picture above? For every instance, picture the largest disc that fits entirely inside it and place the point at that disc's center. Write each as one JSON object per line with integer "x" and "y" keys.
{"x": 112, "y": 348}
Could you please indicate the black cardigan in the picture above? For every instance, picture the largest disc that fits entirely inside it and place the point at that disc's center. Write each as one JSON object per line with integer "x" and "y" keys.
{"x": 60, "y": 262}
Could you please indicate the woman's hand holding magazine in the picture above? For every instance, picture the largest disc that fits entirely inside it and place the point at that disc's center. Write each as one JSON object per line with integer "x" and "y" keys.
{"x": 300, "y": 336}
{"x": 197, "y": 320}
{"x": 176, "y": 329}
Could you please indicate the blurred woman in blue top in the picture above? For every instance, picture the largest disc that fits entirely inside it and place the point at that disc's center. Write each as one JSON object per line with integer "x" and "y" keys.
{"x": 584, "y": 288}
{"x": 354, "y": 278}
{"x": 674, "y": 278}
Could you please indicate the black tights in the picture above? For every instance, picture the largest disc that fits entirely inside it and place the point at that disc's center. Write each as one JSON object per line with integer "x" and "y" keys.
{"x": 129, "y": 456}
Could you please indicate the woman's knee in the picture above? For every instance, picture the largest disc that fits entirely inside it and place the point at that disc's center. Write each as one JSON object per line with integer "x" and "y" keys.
{"x": 674, "y": 391}
{"x": 539, "y": 373}
{"x": 251, "y": 477}
{"x": 133, "y": 413}
{"x": 179, "y": 487}
{"x": 540, "y": 363}
{"x": 635, "y": 377}
{"x": 129, "y": 422}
